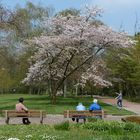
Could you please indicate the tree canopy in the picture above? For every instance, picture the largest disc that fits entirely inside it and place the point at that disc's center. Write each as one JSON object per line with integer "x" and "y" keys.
{"x": 74, "y": 43}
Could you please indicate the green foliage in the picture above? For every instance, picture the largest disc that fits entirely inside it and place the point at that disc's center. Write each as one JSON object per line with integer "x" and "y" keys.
{"x": 92, "y": 119}
{"x": 97, "y": 126}
{"x": 117, "y": 128}
{"x": 62, "y": 126}
{"x": 67, "y": 12}
{"x": 6, "y": 69}
{"x": 124, "y": 69}
{"x": 76, "y": 132}
{"x": 131, "y": 127}
{"x": 17, "y": 25}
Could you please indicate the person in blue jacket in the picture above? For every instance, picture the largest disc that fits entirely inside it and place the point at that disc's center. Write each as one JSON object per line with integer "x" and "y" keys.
{"x": 95, "y": 106}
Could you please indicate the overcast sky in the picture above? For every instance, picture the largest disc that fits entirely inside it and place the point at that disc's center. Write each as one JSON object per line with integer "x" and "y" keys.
{"x": 119, "y": 14}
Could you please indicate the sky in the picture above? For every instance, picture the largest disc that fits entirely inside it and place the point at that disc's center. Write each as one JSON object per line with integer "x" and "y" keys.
{"x": 120, "y": 15}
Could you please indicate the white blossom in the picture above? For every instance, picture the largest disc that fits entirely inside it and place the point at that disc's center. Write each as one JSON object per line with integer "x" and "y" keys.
{"x": 73, "y": 42}
{"x": 13, "y": 139}
{"x": 95, "y": 74}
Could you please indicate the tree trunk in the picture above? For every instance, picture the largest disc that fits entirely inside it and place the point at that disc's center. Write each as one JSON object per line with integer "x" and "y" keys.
{"x": 53, "y": 92}
{"x": 53, "y": 97}
{"x": 30, "y": 90}
{"x": 65, "y": 89}
{"x": 76, "y": 90}
{"x": 49, "y": 88}
{"x": 38, "y": 91}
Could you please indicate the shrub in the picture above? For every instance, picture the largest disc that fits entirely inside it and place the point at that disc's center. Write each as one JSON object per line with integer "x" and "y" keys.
{"x": 62, "y": 126}
{"x": 92, "y": 119}
{"x": 111, "y": 127}
{"x": 131, "y": 127}
{"x": 97, "y": 126}
{"x": 116, "y": 128}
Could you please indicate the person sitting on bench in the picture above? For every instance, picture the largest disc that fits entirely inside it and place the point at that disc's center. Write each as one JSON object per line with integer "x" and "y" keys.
{"x": 95, "y": 106}
{"x": 20, "y": 107}
{"x": 80, "y": 107}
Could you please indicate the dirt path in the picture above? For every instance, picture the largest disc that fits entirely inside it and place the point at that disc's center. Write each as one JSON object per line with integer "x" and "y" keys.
{"x": 131, "y": 106}
{"x": 50, "y": 120}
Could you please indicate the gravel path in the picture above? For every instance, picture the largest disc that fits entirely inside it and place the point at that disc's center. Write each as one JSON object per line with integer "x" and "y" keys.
{"x": 53, "y": 119}
{"x": 50, "y": 119}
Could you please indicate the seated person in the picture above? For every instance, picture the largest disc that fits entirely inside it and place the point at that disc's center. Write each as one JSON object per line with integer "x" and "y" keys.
{"x": 80, "y": 107}
{"x": 95, "y": 106}
{"x": 20, "y": 107}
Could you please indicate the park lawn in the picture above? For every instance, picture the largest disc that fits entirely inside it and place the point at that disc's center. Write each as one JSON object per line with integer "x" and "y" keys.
{"x": 134, "y": 99}
{"x": 42, "y": 102}
{"x": 89, "y": 131}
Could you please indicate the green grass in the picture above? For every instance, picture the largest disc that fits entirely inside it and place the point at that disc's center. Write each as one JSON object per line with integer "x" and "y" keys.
{"x": 42, "y": 102}
{"x": 134, "y": 99}
{"x": 89, "y": 131}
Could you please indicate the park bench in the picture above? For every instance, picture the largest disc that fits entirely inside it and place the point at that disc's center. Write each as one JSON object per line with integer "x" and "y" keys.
{"x": 84, "y": 114}
{"x": 30, "y": 114}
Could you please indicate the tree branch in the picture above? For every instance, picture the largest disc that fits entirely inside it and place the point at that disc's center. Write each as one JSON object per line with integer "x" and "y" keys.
{"x": 79, "y": 66}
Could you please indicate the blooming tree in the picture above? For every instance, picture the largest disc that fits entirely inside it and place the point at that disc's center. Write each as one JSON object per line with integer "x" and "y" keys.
{"x": 74, "y": 43}
{"x": 96, "y": 74}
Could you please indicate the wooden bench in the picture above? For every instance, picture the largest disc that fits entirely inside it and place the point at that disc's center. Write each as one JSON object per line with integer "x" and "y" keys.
{"x": 84, "y": 114}
{"x": 30, "y": 114}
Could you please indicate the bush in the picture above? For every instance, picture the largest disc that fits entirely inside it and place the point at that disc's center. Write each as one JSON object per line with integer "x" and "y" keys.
{"x": 62, "y": 126}
{"x": 111, "y": 127}
{"x": 97, "y": 126}
{"x": 116, "y": 127}
{"x": 92, "y": 119}
{"x": 131, "y": 127}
